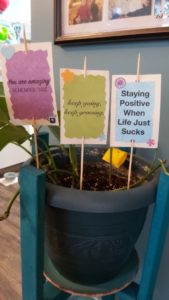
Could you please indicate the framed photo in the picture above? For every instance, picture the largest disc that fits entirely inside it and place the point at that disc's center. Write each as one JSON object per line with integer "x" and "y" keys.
{"x": 83, "y": 21}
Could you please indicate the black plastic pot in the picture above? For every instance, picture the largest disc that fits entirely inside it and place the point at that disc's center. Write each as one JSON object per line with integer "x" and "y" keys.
{"x": 90, "y": 235}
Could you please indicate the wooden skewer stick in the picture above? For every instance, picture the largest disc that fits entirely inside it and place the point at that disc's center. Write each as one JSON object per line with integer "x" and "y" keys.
{"x": 130, "y": 164}
{"x": 83, "y": 138}
{"x": 132, "y": 141}
{"x": 25, "y": 40}
{"x": 33, "y": 123}
{"x": 36, "y": 144}
{"x": 85, "y": 66}
{"x": 138, "y": 68}
{"x": 82, "y": 164}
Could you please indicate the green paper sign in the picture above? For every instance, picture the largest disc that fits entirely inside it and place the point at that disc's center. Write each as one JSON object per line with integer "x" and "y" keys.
{"x": 84, "y": 105}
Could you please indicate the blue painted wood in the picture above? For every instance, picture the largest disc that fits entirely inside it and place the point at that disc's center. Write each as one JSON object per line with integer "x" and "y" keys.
{"x": 32, "y": 199}
{"x": 159, "y": 227}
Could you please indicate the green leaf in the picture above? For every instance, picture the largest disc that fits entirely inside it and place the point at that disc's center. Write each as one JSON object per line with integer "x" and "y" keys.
{"x": 2, "y": 94}
{"x": 4, "y": 116}
{"x": 73, "y": 158}
{"x": 11, "y": 133}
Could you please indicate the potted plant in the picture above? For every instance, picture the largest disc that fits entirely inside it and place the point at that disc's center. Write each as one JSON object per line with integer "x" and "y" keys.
{"x": 91, "y": 233}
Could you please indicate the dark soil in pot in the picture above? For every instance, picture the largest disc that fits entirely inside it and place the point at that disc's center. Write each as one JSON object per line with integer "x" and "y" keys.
{"x": 90, "y": 234}
{"x": 96, "y": 177}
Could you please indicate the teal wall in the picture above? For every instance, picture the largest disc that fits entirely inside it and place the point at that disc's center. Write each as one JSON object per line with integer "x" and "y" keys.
{"x": 121, "y": 58}
{"x": 118, "y": 58}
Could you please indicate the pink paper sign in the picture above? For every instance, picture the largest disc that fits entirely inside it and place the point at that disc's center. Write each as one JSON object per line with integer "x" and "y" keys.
{"x": 30, "y": 86}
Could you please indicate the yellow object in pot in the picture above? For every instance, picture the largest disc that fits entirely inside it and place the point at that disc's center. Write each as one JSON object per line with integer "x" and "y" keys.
{"x": 118, "y": 157}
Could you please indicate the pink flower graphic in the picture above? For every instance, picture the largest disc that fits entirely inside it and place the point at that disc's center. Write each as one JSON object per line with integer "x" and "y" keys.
{"x": 151, "y": 142}
{"x": 120, "y": 82}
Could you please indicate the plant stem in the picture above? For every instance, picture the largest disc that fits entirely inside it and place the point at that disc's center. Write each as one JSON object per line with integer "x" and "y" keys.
{"x": 141, "y": 180}
{"x": 110, "y": 167}
{"x": 24, "y": 148}
{"x": 163, "y": 167}
{"x": 9, "y": 205}
{"x": 73, "y": 161}
{"x": 151, "y": 171}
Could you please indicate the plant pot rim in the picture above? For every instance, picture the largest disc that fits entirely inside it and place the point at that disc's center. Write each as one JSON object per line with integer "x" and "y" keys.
{"x": 103, "y": 201}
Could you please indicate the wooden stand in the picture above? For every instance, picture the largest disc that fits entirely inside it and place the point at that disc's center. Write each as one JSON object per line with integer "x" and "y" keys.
{"x": 34, "y": 287}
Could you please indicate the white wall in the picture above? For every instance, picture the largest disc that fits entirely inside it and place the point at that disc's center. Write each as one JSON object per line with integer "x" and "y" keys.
{"x": 12, "y": 155}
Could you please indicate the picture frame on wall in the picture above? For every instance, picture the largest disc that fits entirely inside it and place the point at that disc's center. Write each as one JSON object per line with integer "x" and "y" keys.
{"x": 90, "y": 21}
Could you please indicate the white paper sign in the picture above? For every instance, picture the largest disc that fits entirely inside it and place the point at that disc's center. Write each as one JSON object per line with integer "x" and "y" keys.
{"x": 135, "y": 111}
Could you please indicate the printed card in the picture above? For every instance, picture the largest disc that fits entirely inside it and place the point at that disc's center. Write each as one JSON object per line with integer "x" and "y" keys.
{"x": 84, "y": 106}
{"x": 135, "y": 111}
{"x": 29, "y": 84}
